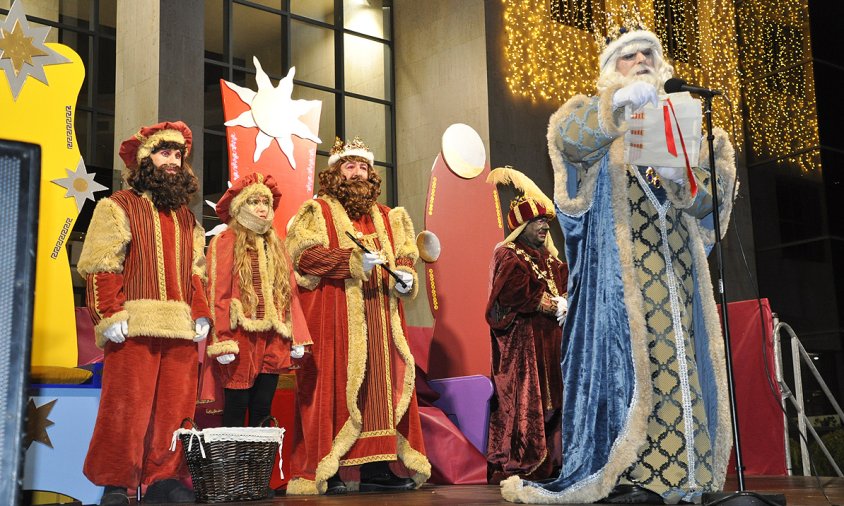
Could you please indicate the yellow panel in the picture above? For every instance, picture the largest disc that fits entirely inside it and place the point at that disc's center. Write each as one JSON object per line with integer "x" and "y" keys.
{"x": 43, "y": 114}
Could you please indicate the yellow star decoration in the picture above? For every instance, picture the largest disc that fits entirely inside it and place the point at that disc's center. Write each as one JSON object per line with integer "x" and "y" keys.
{"x": 18, "y": 48}
{"x": 37, "y": 423}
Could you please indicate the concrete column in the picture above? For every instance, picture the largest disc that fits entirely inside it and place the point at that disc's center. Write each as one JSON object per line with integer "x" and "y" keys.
{"x": 159, "y": 66}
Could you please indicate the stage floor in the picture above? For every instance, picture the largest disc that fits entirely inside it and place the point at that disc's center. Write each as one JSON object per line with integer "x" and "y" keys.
{"x": 798, "y": 490}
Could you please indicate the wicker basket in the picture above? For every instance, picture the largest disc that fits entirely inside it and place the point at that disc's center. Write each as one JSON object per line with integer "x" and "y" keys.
{"x": 230, "y": 464}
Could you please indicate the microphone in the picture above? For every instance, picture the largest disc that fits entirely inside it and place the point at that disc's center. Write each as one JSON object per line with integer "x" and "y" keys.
{"x": 676, "y": 84}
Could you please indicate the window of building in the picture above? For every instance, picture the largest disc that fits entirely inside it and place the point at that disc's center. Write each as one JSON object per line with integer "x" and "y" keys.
{"x": 343, "y": 54}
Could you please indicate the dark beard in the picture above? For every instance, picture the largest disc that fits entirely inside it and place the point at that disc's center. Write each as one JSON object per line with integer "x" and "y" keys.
{"x": 356, "y": 195}
{"x": 167, "y": 191}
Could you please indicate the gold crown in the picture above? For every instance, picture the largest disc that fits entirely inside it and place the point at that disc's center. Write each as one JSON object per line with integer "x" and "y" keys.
{"x": 340, "y": 147}
{"x": 630, "y": 21}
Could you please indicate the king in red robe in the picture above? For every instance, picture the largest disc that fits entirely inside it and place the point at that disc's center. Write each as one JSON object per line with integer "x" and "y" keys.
{"x": 356, "y": 397}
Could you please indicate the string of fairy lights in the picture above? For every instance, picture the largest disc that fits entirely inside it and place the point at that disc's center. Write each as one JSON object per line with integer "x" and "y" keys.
{"x": 552, "y": 55}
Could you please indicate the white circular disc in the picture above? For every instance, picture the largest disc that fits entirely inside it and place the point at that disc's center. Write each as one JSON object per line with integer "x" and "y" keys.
{"x": 463, "y": 150}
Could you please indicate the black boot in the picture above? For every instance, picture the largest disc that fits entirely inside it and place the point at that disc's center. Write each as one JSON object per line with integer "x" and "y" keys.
{"x": 167, "y": 491}
{"x": 377, "y": 477}
{"x": 114, "y": 496}
{"x": 335, "y": 485}
{"x": 632, "y": 494}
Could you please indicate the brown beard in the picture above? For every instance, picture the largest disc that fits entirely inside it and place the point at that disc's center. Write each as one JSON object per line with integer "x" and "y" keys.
{"x": 167, "y": 191}
{"x": 356, "y": 195}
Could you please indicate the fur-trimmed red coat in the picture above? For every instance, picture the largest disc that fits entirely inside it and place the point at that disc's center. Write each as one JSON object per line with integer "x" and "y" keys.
{"x": 357, "y": 323}
{"x": 158, "y": 289}
{"x": 277, "y": 326}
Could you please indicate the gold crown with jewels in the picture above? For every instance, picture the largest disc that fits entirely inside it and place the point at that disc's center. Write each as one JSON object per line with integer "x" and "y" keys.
{"x": 355, "y": 147}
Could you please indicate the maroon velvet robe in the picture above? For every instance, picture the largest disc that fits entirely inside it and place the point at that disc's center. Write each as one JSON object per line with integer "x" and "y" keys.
{"x": 524, "y": 425}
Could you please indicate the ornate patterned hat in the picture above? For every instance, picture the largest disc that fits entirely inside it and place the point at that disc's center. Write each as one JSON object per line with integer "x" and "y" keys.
{"x": 532, "y": 203}
{"x": 141, "y": 145}
{"x": 524, "y": 209}
{"x": 354, "y": 148}
{"x": 253, "y": 184}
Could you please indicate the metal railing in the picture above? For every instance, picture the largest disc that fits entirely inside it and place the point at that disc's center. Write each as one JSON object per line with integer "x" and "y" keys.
{"x": 798, "y": 355}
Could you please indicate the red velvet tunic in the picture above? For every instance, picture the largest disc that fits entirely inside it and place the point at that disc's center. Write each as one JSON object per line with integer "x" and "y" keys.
{"x": 524, "y": 429}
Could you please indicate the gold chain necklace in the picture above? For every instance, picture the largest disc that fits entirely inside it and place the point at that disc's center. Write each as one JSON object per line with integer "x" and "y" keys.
{"x": 543, "y": 275}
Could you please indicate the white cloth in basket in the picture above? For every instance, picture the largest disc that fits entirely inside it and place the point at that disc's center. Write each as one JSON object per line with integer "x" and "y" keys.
{"x": 250, "y": 434}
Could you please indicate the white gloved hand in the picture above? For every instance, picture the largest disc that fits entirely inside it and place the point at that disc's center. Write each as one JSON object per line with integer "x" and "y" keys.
{"x": 676, "y": 174}
{"x": 636, "y": 95}
{"x": 562, "y": 308}
{"x": 117, "y": 331}
{"x": 228, "y": 358}
{"x": 203, "y": 325}
{"x": 297, "y": 351}
{"x": 408, "y": 281}
{"x": 370, "y": 260}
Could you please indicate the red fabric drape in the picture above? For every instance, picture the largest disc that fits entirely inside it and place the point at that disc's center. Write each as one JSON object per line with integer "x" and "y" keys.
{"x": 760, "y": 417}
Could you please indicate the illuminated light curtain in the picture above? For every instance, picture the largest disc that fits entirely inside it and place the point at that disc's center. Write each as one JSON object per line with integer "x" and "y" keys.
{"x": 782, "y": 119}
{"x": 552, "y": 54}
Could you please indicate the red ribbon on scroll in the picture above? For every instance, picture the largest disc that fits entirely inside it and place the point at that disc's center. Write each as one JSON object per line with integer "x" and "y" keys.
{"x": 672, "y": 148}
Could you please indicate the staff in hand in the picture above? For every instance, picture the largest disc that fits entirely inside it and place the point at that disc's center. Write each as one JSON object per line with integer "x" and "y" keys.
{"x": 392, "y": 273}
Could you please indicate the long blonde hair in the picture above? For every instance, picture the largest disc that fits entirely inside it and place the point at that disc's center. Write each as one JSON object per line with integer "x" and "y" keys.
{"x": 277, "y": 268}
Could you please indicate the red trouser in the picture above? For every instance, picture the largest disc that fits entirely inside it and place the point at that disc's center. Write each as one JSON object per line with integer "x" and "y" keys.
{"x": 149, "y": 386}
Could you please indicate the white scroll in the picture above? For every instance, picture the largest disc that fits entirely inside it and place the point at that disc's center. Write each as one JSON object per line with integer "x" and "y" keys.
{"x": 667, "y": 135}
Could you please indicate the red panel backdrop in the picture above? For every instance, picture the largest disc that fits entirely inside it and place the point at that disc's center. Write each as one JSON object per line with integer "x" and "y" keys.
{"x": 297, "y": 185}
{"x": 760, "y": 417}
{"x": 464, "y": 215}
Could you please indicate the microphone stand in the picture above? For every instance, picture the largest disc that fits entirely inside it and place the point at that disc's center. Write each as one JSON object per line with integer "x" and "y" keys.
{"x": 741, "y": 497}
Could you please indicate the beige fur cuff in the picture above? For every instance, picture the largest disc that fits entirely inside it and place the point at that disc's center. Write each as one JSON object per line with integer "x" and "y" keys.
{"x": 222, "y": 348}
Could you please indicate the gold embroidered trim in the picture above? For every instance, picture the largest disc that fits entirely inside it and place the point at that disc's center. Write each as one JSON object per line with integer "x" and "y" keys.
{"x": 378, "y": 433}
{"x": 370, "y": 458}
{"x": 543, "y": 275}
{"x": 159, "y": 250}
{"x": 178, "y": 233}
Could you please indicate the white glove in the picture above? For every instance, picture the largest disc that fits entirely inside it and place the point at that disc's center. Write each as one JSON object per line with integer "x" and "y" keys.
{"x": 228, "y": 358}
{"x": 117, "y": 331}
{"x": 370, "y": 260}
{"x": 408, "y": 281}
{"x": 297, "y": 351}
{"x": 562, "y": 308}
{"x": 636, "y": 95}
{"x": 676, "y": 174}
{"x": 203, "y": 325}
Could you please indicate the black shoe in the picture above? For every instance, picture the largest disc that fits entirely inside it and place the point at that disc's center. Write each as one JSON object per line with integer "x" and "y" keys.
{"x": 386, "y": 482}
{"x": 114, "y": 496}
{"x": 168, "y": 491}
{"x": 632, "y": 494}
{"x": 335, "y": 486}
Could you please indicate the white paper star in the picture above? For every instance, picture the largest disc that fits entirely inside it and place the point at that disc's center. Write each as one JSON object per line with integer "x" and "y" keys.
{"x": 80, "y": 185}
{"x": 274, "y": 113}
{"x": 22, "y": 50}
